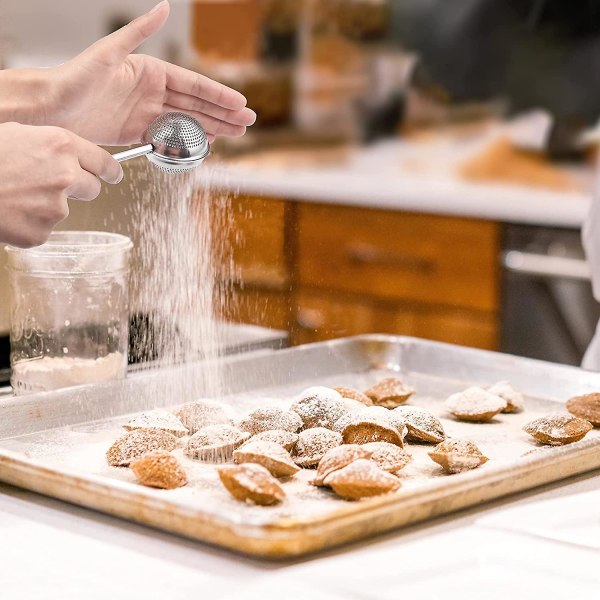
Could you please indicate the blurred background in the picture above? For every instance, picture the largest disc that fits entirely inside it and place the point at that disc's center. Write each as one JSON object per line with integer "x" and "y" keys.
{"x": 418, "y": 167}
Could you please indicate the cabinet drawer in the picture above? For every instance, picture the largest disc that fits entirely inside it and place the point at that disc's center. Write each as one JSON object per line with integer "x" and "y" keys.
{"x": 422, "y": 258}
{"x": 320, "y": 317}
{"x": 257, "y": 240}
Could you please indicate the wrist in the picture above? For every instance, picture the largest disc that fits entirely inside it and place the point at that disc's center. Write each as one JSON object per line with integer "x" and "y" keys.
{"x": 26, "y": 96}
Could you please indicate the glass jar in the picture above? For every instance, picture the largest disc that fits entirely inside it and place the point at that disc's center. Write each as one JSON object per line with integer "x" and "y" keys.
{"x": 69, "y": 311}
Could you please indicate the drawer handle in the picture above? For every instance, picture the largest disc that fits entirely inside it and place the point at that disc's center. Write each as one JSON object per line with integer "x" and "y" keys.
{"x": 367, "y": 254}
{"x": 310, "y": 319}
{"x": 543, "y": 265}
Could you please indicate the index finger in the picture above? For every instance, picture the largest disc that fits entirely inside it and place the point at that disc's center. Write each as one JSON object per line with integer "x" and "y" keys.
{"x": 97, "y": 161}
{"x": 187, "y": 82}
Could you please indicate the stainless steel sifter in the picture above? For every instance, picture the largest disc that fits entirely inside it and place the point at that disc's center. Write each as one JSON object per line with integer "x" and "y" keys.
{"x": 174, "y": 142}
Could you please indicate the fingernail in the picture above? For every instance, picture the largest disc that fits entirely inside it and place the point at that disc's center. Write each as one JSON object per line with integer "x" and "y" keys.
{"x": 158, "y": 7}
{"x": 121, "y": 177}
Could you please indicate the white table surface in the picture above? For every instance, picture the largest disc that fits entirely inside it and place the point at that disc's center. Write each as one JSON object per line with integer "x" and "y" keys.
{"x": 379, "y": 176}
{"x": 50, "y": 549}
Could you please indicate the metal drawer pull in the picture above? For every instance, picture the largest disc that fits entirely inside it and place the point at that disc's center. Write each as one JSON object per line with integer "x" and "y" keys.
{"x": 368, "y": 254}
{"x": 542, "y": 265}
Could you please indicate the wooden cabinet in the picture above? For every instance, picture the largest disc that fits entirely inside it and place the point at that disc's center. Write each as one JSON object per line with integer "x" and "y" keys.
{"x": 322, "y": 316}
{"x": 258, "y": 241}
{"x": 323, "y": 271}
{"x": 422, "y": 258}
{"x": 269, "y": 308}
{"x": 263, "y": 262}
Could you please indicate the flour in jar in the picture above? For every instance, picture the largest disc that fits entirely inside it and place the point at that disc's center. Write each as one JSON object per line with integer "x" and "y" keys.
{"x": 51, "y": 373}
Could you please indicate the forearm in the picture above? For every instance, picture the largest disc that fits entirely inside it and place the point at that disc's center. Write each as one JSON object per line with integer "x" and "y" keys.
{"x": 26, "y": 96}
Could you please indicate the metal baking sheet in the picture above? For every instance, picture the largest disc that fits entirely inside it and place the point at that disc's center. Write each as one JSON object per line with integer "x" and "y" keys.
{"x": 54, "y": 443}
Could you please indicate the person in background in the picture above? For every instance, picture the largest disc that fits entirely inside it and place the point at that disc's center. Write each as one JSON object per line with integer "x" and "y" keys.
{"x": 535, "y": 53}
{"x": 51, "y": 121}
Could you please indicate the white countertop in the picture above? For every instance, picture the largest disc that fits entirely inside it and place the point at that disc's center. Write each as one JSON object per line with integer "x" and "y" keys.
{"x": 52, "y": 550}
{"x": 381, "y": 176}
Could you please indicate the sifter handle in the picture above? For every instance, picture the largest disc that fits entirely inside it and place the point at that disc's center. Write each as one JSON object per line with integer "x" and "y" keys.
{"x": 133, "y": 152}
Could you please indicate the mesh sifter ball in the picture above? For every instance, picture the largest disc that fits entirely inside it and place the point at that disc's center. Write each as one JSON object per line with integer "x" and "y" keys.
{"x": 174, "y": 142}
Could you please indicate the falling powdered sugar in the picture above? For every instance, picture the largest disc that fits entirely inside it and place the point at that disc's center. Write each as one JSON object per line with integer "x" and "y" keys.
{"x": 182, "y": 274}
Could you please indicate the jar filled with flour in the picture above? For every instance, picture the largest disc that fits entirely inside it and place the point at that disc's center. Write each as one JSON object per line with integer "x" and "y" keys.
{"x": 69, "y": 311}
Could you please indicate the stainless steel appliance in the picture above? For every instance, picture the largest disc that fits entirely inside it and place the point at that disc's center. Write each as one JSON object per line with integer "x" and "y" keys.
{"x": 548, "y": 310}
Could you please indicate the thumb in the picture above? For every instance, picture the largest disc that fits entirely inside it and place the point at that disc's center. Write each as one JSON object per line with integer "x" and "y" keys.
{"x": 115, "y": 47}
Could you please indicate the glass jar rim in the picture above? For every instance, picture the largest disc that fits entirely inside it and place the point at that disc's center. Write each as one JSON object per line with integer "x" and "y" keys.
{"x": 72, "y": 254}
{"x": 69, "y": 243}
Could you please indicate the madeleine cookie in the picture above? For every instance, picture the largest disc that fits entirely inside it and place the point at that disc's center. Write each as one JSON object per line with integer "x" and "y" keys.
{"x": 389, "y": 393}
{"x": 374, "y": 424}
{"x": 389, "y": 457}
{"x": 275, "y": 458}
{"x": 319, "y": 407}
{"x": 138, "y": 442}
{"x": 313, "y": 444}
{"x": 215, "y": 443}
{"x": 158, "y": 419}
{"x": 422, "y": 425}
{"x": 586, "y": 407}
{"x": 203, "y": 413}
{"x": 558, "y": 429}
{"x": 456, "y": 456}
{"x": 267, "y": 418}
{"x": 338, "y": 458}
{"x": 287, "y": 439}
{"x": 160, "y": 470}
{"x": 475, "y": 404}
{"x": 514, "y": 399}
{"x": 352, "y": 394}
{"x": 251, "y": 483}
{"x": 345, "y": 419}
{"x": 361, "y": 479}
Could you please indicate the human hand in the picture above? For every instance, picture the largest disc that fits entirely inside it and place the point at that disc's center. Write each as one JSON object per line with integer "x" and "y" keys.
{"x": 109, "y": 96}
{"x": 40, "y": 168}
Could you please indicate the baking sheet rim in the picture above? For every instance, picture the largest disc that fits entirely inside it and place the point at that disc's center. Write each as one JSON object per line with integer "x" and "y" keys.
{"x": 286, "y": 538}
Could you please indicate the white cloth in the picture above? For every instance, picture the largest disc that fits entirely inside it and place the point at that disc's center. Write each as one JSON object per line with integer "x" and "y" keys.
{"x": 591, "y": 243}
